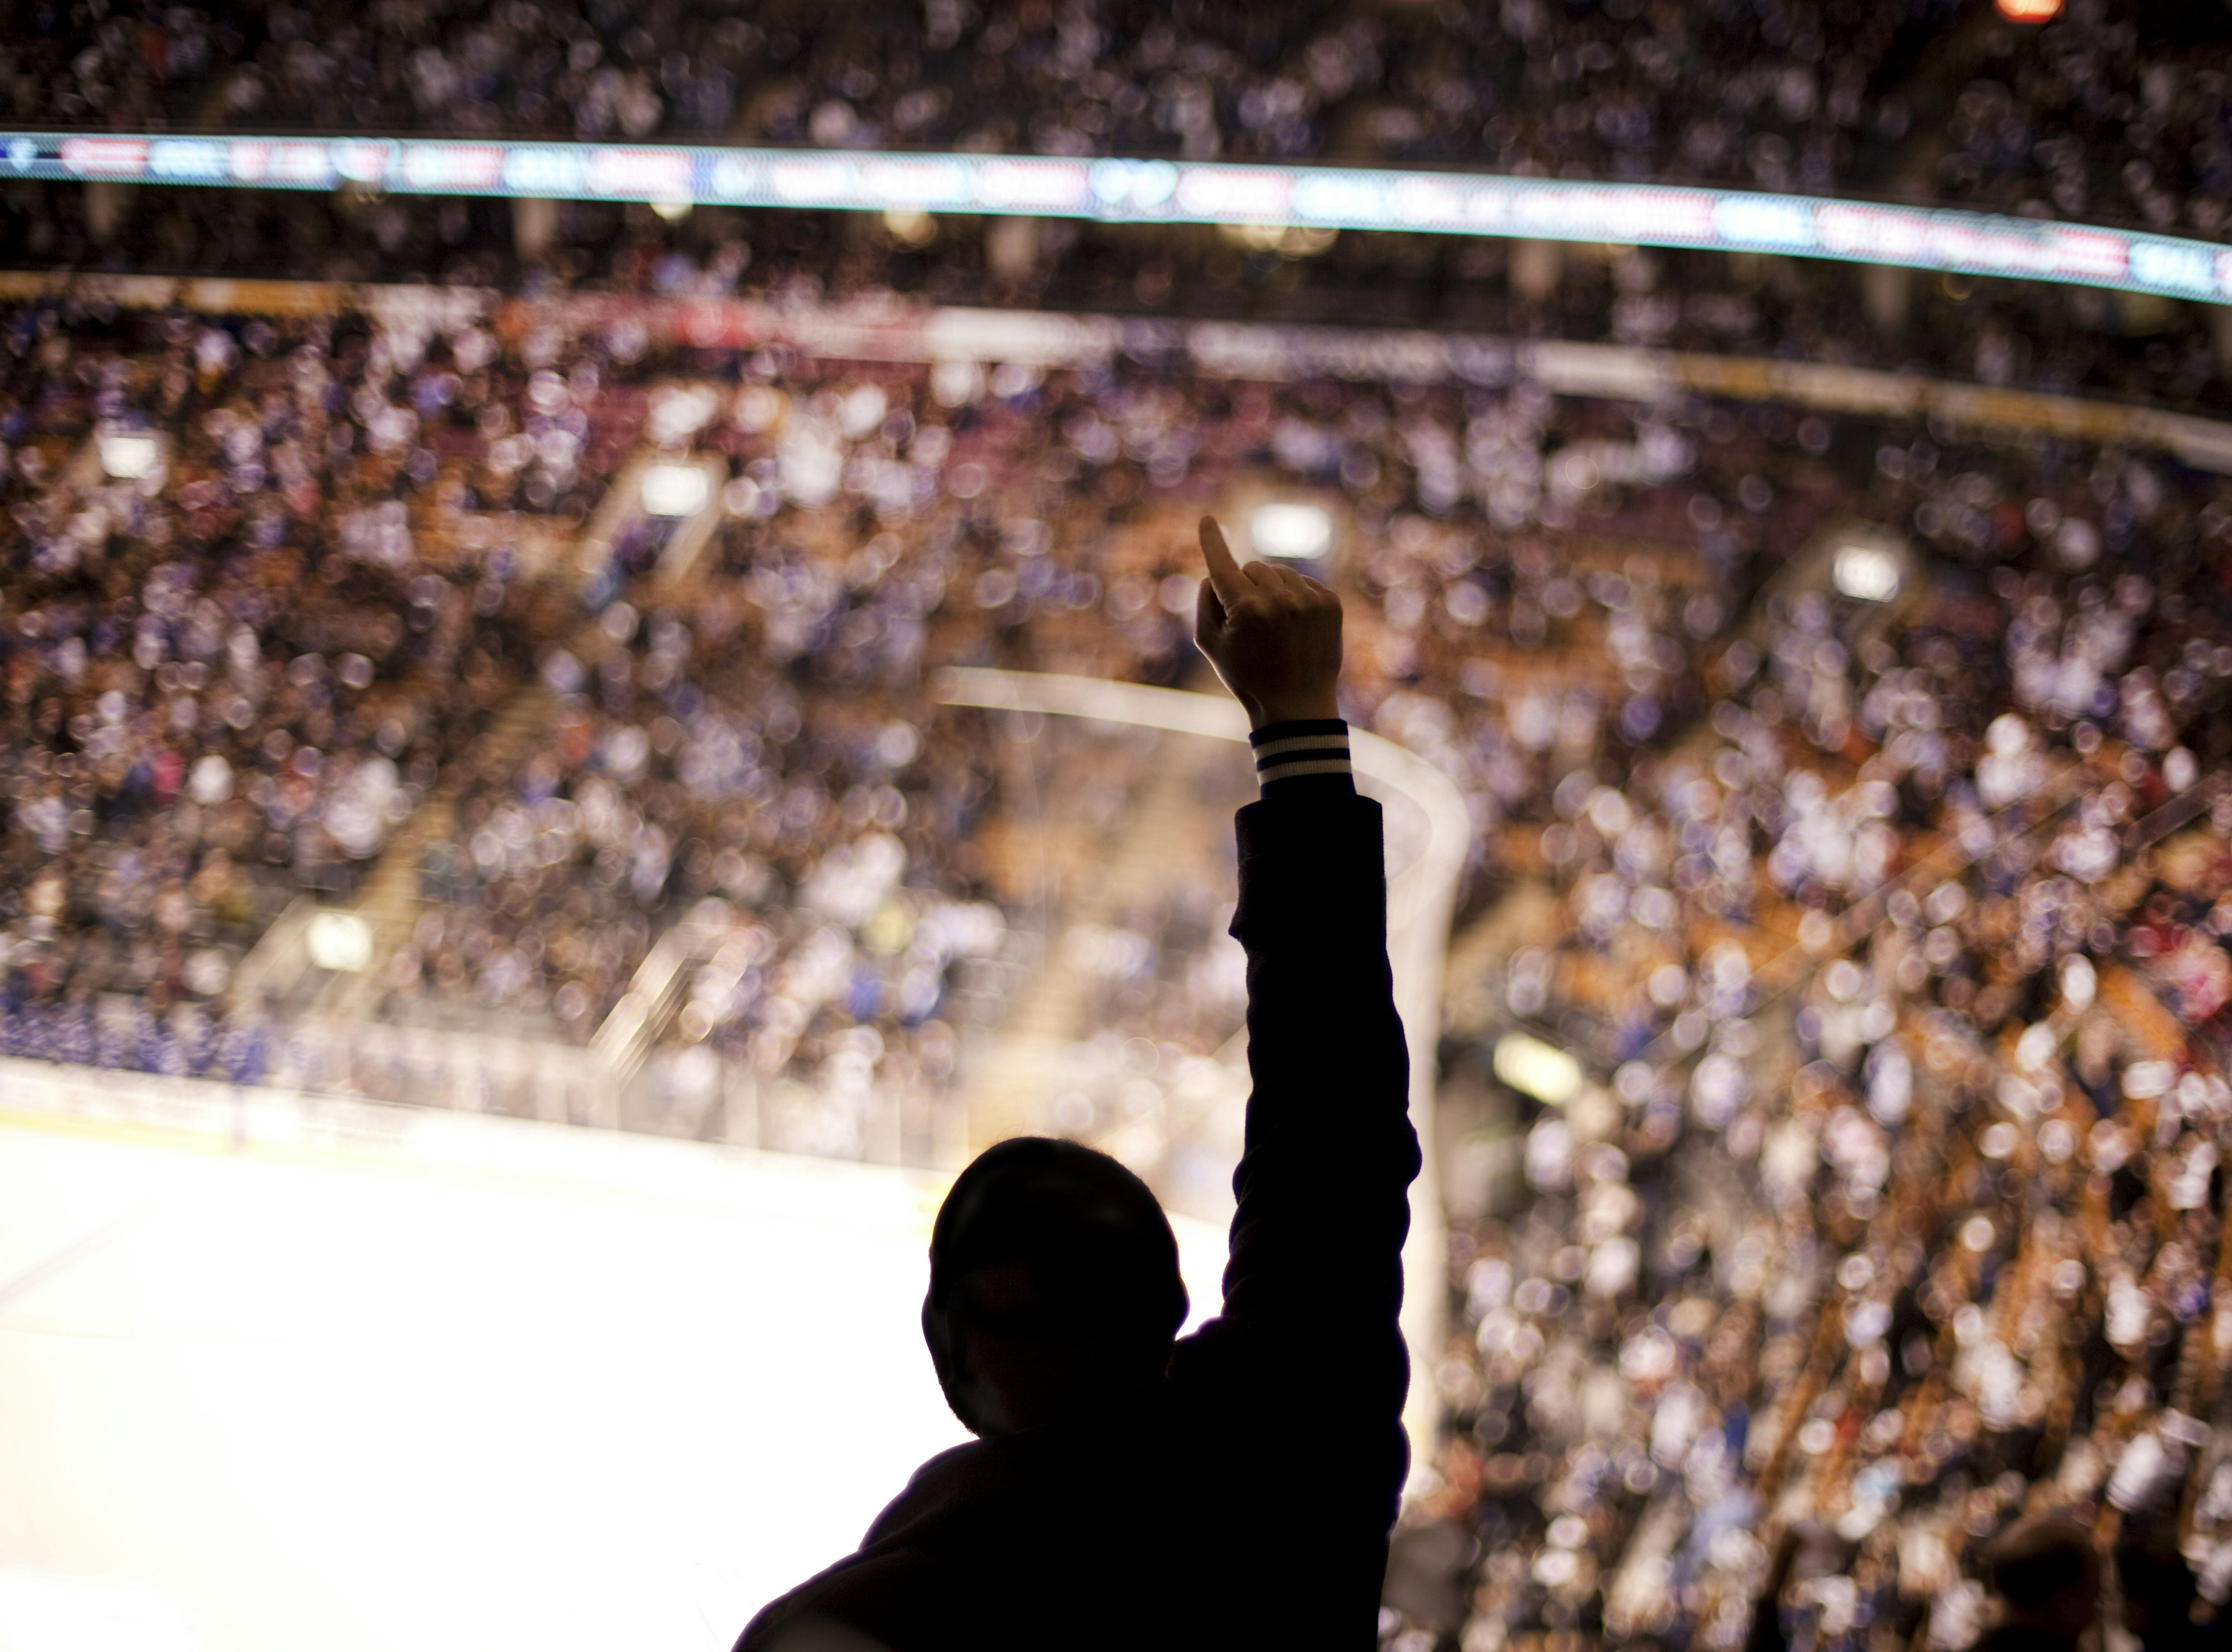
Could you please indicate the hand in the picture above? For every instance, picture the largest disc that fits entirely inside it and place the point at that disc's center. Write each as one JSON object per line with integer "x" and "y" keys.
{"x": 1273, "y": 635}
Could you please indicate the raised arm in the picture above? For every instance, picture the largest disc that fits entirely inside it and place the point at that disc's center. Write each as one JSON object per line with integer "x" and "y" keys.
{"x": 1315, "y": 1283}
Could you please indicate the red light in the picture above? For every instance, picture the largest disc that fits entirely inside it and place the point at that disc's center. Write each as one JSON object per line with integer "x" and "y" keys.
{"x": 2029, "y": 11}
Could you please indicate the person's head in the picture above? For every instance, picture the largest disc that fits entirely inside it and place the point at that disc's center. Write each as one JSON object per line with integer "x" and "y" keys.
{"x": 2048, "y": 1573}
{"x": 1053, "y": 1285}
{"x": 2158, "y": 1590}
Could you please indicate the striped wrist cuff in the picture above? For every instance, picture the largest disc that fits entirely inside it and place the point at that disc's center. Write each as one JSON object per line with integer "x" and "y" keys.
{"x": 1302, "y": 750}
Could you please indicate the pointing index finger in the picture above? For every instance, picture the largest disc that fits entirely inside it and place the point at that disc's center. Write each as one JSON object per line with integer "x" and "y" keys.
{"x": 1224, "y": 576}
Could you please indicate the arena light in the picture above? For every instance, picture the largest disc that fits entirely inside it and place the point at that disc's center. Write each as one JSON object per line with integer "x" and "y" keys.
{"x": 128, "y": 455}
{"x": 1534, "y": 1068}
{"x": 910, "y": 226}
{"x": 1865, "y": 573}
{"x": 342, "y": 941}
{"x": 1294, "y": 533}
{"x": 674, "y": 490}
{"x": 1287, "y": 240}
{"x": 2030, "y": 10}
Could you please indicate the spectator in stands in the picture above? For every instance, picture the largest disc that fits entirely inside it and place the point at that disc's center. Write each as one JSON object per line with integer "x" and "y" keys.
{"x": 1101, "y": 1493}
{"x": 1767, "y": 1632}
{"x": 2047, "y": 1574}
{"x": 2158, "y": 1593}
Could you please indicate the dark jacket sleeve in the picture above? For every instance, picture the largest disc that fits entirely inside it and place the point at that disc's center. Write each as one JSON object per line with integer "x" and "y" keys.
{"x": 1309, "y": 1336}
{"x": 1323, "y": 1183}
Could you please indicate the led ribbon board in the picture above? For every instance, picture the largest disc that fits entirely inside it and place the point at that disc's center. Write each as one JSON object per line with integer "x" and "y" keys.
{"x": 1157, "y": 191}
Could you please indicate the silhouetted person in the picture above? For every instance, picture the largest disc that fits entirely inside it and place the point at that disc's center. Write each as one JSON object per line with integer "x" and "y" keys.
{"x": 2047, "y": 1574}
{"x": 2158, "y": 1593}
{"x": 1767, "y": 1630}
{"x": 1234, "y": 1489}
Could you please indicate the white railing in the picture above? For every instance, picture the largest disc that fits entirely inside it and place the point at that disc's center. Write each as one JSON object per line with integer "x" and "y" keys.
{"x": 452, "y": 1069}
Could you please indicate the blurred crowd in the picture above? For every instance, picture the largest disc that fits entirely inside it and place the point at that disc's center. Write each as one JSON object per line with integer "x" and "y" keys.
{"x": 2106, "y": 112}
{"x": 1881, "y": 907}
{"x": 243, "y": 625}
{"x": 2039, "y": 335}
{"x": 1890, "y": 1200}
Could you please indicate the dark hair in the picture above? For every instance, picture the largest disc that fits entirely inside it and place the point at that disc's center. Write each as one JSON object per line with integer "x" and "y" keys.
{"x": 1100, "y": 1257}
{"x": 2034, "y": 1562}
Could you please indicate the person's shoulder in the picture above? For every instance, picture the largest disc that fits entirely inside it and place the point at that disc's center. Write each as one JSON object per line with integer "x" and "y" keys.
{"x": 962, "y": 1459}
{"x": 953, "y": 1481}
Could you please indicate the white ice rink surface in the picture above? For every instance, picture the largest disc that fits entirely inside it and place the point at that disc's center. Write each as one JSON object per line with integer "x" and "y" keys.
{"x": 491, "y": 1385}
